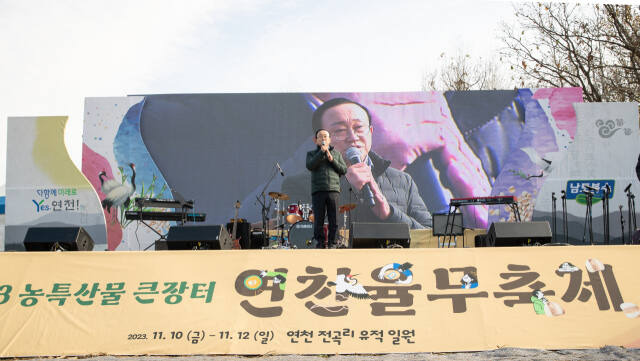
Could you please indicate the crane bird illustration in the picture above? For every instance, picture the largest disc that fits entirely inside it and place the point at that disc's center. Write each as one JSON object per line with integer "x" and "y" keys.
{"x": 116, "y": 193}
{"x": 547, "y": 162}
{"x": 347, "y": 285}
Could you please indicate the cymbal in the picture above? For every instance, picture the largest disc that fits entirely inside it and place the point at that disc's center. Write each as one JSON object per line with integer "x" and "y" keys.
{"x": 347, "y": 207}
{"x": 278, "y": 195}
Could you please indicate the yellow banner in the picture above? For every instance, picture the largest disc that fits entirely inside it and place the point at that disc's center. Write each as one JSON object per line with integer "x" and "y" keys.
{"x": 318, "y": 301}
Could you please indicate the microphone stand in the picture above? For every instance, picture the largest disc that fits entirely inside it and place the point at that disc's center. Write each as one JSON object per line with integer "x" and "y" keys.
{"x": 633, "y": 212}
{"x": 605, "y": 212}
{"x": 588, "y": 220}
{"x": 632, "y": 217}
{"x": 351, "y": 220}
{"x": 262, "y": 200}
{"x": 631, "y": 204}
{"x": 553, "y": 214}
{"x": 565, "y": 226}
{"x": 622, "y": 224}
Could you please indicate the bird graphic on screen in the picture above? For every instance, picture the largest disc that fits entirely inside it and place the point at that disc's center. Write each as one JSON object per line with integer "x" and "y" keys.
{"x": 546, "y": 163}
{"x": 116, "y": 193}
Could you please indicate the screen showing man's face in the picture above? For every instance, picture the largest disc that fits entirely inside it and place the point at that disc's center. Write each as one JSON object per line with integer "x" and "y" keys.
{"x": 349, "y": 127}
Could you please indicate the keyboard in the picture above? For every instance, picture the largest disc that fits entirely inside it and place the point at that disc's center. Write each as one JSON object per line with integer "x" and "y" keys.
{"x": 162, "y": 203}
{"x": 165, "y": 216}
{"x": 483, "y": 200}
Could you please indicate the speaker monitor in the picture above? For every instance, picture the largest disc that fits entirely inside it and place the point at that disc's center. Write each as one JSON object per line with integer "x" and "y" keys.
{"x": 258, "y": 240}
{"x": 57, "y": 239}
{"x": 196, "y": 238}
{"x": 440, "y": 224}
{"x": 508, "y": 234}
{"x": 243, "y": 232}
{"x": 378, "y": 235}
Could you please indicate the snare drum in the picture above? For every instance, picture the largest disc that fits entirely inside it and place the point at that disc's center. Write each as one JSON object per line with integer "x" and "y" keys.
{"x": 295, "y": 214}
{"x": 301, "y": 235}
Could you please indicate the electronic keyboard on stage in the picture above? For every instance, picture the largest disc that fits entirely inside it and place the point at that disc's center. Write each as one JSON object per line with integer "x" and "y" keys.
{"x": 165, "y": 216}
{"x": 456, "y": 202}
{"x": 163, "y": 203}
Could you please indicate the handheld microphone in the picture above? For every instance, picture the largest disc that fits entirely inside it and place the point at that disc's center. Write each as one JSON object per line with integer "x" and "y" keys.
{"x": 323, "y": 144}
{"x": 628, "y": 187}
{"x": 353, "y": 154}
{"x": 280, "y": 169}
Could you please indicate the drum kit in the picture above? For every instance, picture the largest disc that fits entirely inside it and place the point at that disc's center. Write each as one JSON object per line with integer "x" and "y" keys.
{"x": 299, "y": 219}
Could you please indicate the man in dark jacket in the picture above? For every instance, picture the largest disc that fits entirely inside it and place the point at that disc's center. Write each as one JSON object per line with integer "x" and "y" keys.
{"x": 638, "y": 168}
{"x": 395, "y": 194}
{"x": 326, "y": 166}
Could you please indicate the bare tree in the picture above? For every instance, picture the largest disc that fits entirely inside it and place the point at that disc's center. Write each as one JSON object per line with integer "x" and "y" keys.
{"x": 594, "y": 47}
{"x": 462, "y": 72}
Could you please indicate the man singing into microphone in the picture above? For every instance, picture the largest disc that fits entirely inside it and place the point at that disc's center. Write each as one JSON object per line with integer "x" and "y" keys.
{"x": 326, "y": 166}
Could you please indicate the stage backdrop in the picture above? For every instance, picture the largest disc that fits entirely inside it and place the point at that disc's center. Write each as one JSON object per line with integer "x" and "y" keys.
{"x": 44, "y": 187}
{"x": 120, "y": 168}
{"x": 606, "y": 153}
{"x": 326, "y": 302}
{"x": 220, "y": 148}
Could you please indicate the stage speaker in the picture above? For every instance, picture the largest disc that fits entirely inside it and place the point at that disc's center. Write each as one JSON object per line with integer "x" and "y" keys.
{"x": 57, "y": 239}
{"x": 510, "y": 234}
{"x": 258, "y": 240}
{"x": 440, "y": 224}
{"x": 378, "y": 235}
{"x": 243, "y": 231}
{"x": 197, "y": 238}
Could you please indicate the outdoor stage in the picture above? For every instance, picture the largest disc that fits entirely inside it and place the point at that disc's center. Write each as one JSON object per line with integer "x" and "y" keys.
{"x": 149, "y": 164}
{"x": 318, "y": 301}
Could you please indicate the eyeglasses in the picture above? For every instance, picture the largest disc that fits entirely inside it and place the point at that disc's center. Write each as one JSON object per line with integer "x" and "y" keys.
{"x": 343, "y": 133}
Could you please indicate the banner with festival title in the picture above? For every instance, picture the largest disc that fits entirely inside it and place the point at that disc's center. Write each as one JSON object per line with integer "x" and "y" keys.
{"x": 318, "y": 302}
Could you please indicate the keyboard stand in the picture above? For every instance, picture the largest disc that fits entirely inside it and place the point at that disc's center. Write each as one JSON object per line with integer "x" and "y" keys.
{"x": 451, "y": 218}
{"x": 162, "y": 236}
{"x": 453, "y": 209}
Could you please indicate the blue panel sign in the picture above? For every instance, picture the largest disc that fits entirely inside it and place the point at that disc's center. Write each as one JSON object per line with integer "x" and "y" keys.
{"x": 576, "y": 187}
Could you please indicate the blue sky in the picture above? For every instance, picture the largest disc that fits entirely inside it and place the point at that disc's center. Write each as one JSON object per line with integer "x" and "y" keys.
{"x": 54, "y": 54}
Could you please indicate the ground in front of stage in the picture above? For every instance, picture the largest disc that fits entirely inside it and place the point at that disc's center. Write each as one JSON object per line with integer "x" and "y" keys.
{"x": 604, "y": 353}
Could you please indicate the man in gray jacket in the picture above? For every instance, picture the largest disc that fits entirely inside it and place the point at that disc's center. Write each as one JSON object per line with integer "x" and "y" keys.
{"x": 393, "y": 193}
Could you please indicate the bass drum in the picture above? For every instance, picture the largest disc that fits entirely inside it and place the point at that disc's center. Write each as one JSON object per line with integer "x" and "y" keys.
{"x": 301, "y": 235}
